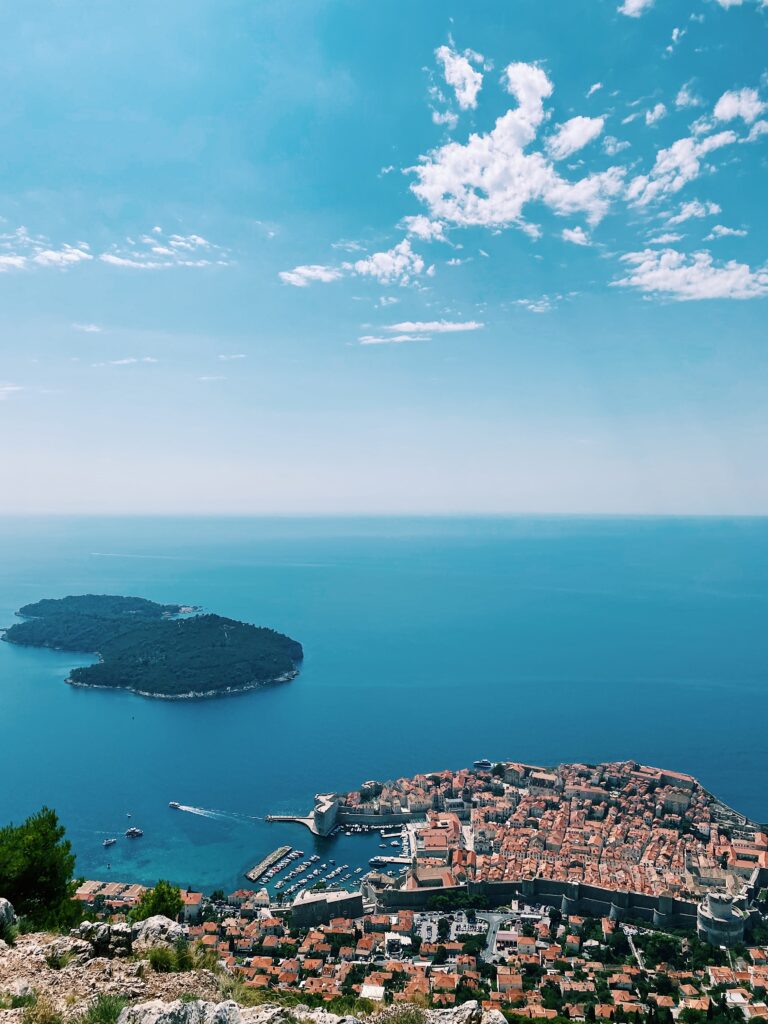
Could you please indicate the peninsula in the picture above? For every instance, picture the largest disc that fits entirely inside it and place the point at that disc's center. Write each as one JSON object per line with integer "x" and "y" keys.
{"x": 166, "y": 651}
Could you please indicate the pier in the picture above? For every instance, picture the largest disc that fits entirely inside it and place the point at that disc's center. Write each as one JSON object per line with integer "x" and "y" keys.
{"x": 296, "y": 819}
{"x": 264, "y": 865}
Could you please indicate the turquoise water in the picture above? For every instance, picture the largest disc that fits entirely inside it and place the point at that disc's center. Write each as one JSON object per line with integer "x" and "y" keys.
{"x": 429, "y": 643}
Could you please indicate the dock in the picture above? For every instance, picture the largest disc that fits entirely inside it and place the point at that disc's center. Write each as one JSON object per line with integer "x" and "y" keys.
{"x": 264, "y": 865}
{"x": 379, "y": 861}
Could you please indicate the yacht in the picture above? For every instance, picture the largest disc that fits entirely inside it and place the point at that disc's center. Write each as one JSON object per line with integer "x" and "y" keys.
{"x": 483, "y": 764}
{"x": 109, "y": 842}
{"x": 174, "y": 804}
{"x": 133, "y": 832}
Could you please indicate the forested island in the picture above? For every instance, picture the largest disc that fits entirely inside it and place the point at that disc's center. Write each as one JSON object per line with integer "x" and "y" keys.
{"x": 154, "y": 649}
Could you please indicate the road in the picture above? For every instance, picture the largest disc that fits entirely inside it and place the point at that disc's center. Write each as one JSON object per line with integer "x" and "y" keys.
{"x": 495, "y": 921}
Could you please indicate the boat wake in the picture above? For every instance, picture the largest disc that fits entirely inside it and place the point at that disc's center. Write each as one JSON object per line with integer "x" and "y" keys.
{"x": 212, "y": 812}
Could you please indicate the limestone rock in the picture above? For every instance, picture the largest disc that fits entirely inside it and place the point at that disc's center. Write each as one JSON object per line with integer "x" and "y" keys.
{"x": 157, "y": 931}
{"x": 468, "y": 1013}
{"x": 106, "y": 940}
{"x": 68, "y": 950}
{"x": 177, "y": 1012}
{"x": 494, "y": 1017}
{"x": 7, "y": 915}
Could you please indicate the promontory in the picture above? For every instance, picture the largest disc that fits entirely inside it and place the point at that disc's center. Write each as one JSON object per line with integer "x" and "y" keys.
{"x": 157, "y": 650}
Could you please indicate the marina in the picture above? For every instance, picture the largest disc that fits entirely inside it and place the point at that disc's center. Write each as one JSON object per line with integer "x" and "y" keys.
{"x": 261, "y": 869}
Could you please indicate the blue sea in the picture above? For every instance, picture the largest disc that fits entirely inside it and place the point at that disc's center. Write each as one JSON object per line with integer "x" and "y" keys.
{"x": 429, "y": 643}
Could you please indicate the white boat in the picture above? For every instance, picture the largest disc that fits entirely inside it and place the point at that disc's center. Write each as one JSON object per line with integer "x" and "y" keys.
{"x": 174, "y": 805}
{"x": 109, "y": 842}
{"x": 134, "y": 833}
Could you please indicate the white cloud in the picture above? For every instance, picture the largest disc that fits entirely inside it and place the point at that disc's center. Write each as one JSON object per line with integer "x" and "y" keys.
{"x": 19, "y": 250}
{"x": 434, "y": 326}
{"x": 694, "y": 209}
{"x": 675, "y": 167}
{"x": 302, "y": 276}
{"x": 398, "y": 264}
{"x": 446, "y": 117}
{"x": 758, "y": 128}
{"x": 63, "y": 257}
{"x": 656, "y": 114}
{"x": 127, "y": 361}
{"x": 743, "y": 103}
{"x": 576, "y": 235}
{"x": 229, "y": 358}
{"x": 392, "y": 339}
{"x": 634, "y": 8}
{"x": 465, "y": 81}
{"x": 687, "y": 98}
{"x": 594, "y": 88}
{"x": 489, "y": 179}
{"x": 612, "y": 146}
{"x": 721, "y": 231}
{"x": 212, "y": 377}
{"x": 677, "y": 35}
{"x": 683, "y": 278}
{"x": 573, "y": 135}
{"x": 424, "y": 228}
{"x": 668, "y": 238}
{"x": 731, "y": 3}
{"x": 87, "y": 328}
{"x": 6, "y": 390}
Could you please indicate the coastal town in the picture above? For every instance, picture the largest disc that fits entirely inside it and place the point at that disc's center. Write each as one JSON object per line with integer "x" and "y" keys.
{"x": 589, "y": 892}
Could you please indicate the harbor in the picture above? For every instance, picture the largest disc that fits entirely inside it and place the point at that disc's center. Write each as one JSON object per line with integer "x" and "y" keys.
{"x": 262, "y": 868}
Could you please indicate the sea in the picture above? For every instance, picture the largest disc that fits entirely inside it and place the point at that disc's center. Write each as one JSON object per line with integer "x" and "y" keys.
{"x": 429, "y": 643}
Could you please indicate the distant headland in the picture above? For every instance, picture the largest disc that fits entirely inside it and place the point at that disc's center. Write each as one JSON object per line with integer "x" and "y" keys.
{"x": 168, "y": 651}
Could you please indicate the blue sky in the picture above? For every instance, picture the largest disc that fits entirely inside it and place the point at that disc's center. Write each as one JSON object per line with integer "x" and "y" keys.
{"x": 349, "y": 257}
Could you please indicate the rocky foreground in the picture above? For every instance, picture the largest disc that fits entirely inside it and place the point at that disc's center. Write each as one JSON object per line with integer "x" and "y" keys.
{"x": 67, "y": 974}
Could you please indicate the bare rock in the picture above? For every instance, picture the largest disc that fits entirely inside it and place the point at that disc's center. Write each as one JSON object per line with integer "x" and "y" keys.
{"x": 157, "y": 931}
{"x": 468, "y": 1013}
{"x": 177, "y": 1012}
{"x": 7, "y": 915}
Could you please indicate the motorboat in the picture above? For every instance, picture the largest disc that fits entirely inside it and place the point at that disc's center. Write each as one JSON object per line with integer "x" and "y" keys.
{"x": 133, "y": 832}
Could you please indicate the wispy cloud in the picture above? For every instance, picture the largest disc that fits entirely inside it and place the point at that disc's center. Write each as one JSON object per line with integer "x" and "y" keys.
{"x": 127, "y": 361}
{"x": 694, "y": 209}
{"x": 234, "y": 355}
{"x": 435, "y": 326}
{"x": 8, "y": 390}
{"x": 398, "y": 265}
{"x": 88, "y": 328}
{"x": 160, "y": 251}
{"x": 721, "y": 231}
{"x": 541, "y": 305}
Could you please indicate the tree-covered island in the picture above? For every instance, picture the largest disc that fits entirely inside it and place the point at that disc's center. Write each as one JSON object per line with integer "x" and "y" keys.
{"x": 154, "y": 650}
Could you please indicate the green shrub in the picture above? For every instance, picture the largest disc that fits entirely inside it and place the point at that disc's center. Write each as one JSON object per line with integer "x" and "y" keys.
{"x": 41, "y": 1012}
{"x": 183, "y": 956}
{"x": 16, "y": 1002}
{"x": 104, "y": 1010}
{"x": 161, "y": 959}
{"x": 56, "y": 960}
{"x": 402, "y": 1013}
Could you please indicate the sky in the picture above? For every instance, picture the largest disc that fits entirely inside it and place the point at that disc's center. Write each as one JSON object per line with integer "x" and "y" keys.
{"x": 419, "y": 256}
